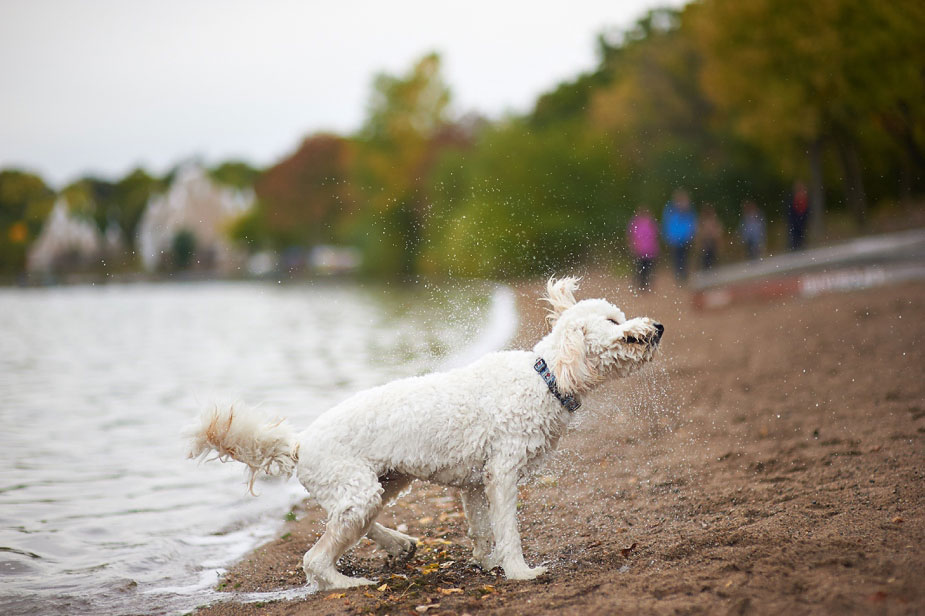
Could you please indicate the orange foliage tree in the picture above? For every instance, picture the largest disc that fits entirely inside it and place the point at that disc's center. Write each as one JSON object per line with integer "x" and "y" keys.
{"x": 305, "y": 198}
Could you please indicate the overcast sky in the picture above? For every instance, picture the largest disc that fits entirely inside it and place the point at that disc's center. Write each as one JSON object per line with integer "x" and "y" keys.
{"x": 102, "y": 86}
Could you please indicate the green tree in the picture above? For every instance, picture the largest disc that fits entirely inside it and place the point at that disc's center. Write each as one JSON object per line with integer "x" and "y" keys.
{"x": 665, "y": 130}
{"x": 84, "y": 198}
{"x": 183, "y": 249}
{"x": 236, "y": 174}
{"x": 395, "y": 149}
{"x": 25, "y": 201}
{"x": 521, "y": 201}
{"x": 129, "y": 198}
{"x": 801, "y": 78}
{"x": 106, "y": 203}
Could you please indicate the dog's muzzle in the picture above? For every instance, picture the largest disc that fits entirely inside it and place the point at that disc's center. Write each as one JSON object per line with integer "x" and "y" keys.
{"x": 647, "y": 339}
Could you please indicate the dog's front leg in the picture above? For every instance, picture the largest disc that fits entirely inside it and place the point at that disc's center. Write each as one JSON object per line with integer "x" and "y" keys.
{"x": 501, "y": 491}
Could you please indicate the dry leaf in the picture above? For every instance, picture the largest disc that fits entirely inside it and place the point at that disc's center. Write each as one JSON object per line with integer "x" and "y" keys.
{"x": 897, "y": 520}
{"x": 336, "y": 595}
{"x": 383, "y": 588}
{"x": 424, "y": 608}
{"x": 449, "y": 591}
{"x": 447, "y": 564}
{"x": 627, "y": 551}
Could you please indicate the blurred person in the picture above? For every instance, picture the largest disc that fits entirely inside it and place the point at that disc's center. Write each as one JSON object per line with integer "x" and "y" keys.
{"x": 798, "y": 215}
{"x": 642, "y": 239}
{"x": 679, "y": 225}
{"x": 709, "y": 233}
{"x": 752, "y": 230}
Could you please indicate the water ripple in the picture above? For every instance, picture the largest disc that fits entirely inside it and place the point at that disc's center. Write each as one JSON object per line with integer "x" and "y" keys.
{"x": 97, "y": 504}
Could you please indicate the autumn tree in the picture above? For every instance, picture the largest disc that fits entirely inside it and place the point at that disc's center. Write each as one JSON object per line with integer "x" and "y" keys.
{"x": 802, "y": 78}
{"x": 406, "y": 118}
{"x": 304, "y": 198}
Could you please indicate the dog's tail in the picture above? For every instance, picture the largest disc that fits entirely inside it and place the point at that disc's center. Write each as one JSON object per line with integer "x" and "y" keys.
{"x": 248, "y": 436}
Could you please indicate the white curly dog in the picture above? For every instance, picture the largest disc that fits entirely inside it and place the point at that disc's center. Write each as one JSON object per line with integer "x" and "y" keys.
{"x": 479, "y": 428}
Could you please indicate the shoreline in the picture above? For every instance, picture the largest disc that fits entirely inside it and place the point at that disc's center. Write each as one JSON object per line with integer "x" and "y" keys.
{"x": 724, "y": 479}
{"x": 495, "y": 333}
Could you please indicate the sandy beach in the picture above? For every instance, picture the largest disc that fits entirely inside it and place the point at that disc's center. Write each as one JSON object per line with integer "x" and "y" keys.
{"x": 770, "y": 462}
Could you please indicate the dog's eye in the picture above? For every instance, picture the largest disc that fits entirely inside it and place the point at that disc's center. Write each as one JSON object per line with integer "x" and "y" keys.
{"x": 632, "y": 339}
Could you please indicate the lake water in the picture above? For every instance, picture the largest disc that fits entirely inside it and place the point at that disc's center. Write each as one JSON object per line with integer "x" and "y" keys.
{"x": 100, "y": 513}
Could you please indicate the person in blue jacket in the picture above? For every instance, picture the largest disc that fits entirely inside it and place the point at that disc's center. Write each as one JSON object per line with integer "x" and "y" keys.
{"x": 679, "y": 225}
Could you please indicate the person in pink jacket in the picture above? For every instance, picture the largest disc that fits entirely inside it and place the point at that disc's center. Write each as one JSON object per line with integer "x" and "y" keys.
{"x": 642, "y": 238}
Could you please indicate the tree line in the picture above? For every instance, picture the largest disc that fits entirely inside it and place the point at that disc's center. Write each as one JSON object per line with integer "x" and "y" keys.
{"x": 733, "y": 101}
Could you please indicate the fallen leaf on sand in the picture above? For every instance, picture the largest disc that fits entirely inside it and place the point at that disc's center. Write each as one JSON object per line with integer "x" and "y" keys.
{"x": 627, "y": 551}
{"x": 428, "y": 569}
{"x": 488, "y": 589}
{"x": 449, "y": 591}
{"x": 424, "y": 608}
{"x": 336, "y": 595}
{"x": 383, "y": 588}
{"x": 897, "y": 520}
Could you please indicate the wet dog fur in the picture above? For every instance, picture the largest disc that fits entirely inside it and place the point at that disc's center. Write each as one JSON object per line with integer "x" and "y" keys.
{"x": 479, "y": 428}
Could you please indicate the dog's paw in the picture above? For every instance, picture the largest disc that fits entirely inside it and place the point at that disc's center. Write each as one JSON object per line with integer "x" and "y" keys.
{"x": 523, "y": 573}
{"x": 338, "y": 580}
{"x": 485, "y": 564}
{"x": 350, "y": 582}
{"x": 403, "y": 551}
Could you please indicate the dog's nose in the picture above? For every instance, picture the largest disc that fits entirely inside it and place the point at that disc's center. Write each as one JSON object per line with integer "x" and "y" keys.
{"x": 660, "y": 329}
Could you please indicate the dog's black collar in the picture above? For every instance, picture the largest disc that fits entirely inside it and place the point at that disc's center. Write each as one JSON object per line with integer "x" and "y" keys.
{"x": 570, "y": 402}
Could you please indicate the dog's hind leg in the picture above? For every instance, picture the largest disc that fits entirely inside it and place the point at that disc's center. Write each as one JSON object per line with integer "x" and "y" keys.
{"x": 501, "y": 490}
{"x": 398, "y": 545}
{"x": 352, "y": 505}
{"x": 475, "y": 504}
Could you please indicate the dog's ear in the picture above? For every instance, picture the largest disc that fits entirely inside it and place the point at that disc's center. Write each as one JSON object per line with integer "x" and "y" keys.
{"x": 570, "y": 364}
{"x": 559, "y": 297}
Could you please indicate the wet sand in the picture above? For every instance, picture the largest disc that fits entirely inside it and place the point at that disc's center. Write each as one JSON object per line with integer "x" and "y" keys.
{"x": 770, "y": 462}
